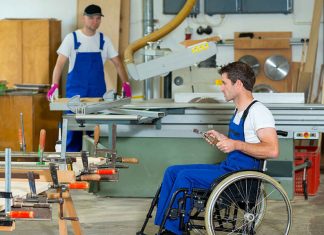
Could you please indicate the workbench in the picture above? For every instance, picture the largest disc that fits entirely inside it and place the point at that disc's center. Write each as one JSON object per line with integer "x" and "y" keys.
{"x": 167, "y": 140}
{"x": 37, "y": 116}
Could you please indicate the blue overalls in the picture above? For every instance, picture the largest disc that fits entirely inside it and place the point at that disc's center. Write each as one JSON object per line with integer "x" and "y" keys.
{"x": 201, "y": 175}
{"x": 86, "y": 79}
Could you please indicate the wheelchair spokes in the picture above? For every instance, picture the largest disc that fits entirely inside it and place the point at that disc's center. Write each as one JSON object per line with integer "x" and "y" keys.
{"x": 239, "y": 204}
{"x": 245, "y": 202}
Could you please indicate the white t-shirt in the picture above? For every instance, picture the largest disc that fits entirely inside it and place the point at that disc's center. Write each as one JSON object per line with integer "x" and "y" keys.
{"x": 88, "y": 44}
{"x": 259, "y": 116}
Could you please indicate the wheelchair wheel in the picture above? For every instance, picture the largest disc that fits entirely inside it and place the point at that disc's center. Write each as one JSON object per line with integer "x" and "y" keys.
{"x": 248, "y": 202}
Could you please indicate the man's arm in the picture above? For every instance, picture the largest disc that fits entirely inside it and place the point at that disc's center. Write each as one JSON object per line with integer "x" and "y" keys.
{"x": 267, "y": 148}
{"x": 57, "y": 72}
{"x": 120, "y": 68}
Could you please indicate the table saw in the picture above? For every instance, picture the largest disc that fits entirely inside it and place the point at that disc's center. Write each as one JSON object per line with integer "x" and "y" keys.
{"x": 159, "y": 133}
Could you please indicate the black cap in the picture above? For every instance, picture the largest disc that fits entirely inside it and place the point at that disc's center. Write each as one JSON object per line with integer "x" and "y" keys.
{"x": 92, "y": 10}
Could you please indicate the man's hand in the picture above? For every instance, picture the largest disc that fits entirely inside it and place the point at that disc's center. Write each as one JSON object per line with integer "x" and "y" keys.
{"x": 53, "y": 92}
{"x": 226, "y": 145}
{"x": 214, "y": 135}
{"x": 127, "y": 90}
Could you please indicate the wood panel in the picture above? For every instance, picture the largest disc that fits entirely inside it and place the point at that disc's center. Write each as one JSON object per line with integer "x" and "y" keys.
{"x": 306, "y": 78}
{"x": 45, "y": 175}
{"x": 124, "y": 32}
{"x": 28, "y": 50}
{"x": 40, "y": 42}
{"x": 11, "y": 107}
{"x": 11, "y": 51}
{"x": 262, "y": 46}
{"x": 36, "y": 115}
{"x": 35, "y": 51}
{"x": 54, "y": 44}
{"x": 110, "y": 25}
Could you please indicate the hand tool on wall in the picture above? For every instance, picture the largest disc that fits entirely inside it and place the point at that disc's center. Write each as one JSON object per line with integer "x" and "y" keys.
{"x": 41, "y": 147}
{"x": 22, "y": 142}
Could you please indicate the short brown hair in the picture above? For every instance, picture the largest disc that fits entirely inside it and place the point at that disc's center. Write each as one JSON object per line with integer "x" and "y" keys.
{"x": 239, "y": 71}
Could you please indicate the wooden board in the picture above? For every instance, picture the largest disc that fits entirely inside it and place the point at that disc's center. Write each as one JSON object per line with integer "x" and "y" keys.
{"x": 28, "y": 50}
{"x": 264, "y": 45}
{"x": 44, "y": 175}
{"x": 40, "y": 42}
{"x": 11, "y": 51}
{"x": 84, "y": 99}
{"x": 124, "y": 33}
{"x": 295, "y": 66}
{"x": 306, "y": 78}
{"x": 110, "y": 25}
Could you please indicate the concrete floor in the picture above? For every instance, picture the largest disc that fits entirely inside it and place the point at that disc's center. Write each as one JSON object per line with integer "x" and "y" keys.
{"x": 124, "y": 216}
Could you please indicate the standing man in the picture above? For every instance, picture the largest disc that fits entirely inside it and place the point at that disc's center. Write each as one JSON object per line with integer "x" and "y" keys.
{"x": 87, "y": 50}
{"x": 252, "y": 136}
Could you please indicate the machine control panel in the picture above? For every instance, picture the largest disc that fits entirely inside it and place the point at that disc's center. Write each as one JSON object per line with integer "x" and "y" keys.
{"x": 307, "y": 135}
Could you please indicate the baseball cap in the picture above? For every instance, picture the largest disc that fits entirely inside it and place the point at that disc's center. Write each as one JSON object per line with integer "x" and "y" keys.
{"x": 92, "y": 10}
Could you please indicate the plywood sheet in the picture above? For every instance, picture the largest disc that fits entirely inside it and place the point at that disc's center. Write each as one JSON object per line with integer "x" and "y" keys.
{"x": 40, "y": 41}
{"x": 28, "y": 50}
{"x": 35, "y": 51}
{"x": 11, "y": 51}
{"x": 110, "y": 26}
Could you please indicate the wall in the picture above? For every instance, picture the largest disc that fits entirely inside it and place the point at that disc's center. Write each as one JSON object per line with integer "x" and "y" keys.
{"x": 65, "y": 10}
{"x": 298, "y": 23}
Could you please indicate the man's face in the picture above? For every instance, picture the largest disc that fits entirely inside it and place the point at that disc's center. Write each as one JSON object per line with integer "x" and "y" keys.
{"x": 92, "y": 22}
{"x": 229, "y": 90}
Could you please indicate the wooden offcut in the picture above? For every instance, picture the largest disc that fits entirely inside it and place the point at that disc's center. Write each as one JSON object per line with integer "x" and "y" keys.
{"x": 188, "y": 43}
{"x": 8, "y": 228}
{"x": 44, "y": 175}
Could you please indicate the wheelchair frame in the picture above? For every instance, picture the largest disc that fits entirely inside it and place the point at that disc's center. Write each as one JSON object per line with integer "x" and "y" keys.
{"x": 211, "y": 202}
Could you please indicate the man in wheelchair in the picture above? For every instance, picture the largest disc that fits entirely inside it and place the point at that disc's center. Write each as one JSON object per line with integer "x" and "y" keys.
{"x": 252, "y": 137}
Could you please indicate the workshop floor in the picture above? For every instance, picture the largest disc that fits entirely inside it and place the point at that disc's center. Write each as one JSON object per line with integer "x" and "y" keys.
{"x": 124, "y": 216}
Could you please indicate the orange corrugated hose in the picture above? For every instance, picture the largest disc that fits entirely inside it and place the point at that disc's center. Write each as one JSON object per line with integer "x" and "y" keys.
{"x": 132, "y": 48}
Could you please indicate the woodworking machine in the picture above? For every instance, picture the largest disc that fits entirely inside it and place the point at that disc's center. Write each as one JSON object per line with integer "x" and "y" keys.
{"x": 160, "y": 120}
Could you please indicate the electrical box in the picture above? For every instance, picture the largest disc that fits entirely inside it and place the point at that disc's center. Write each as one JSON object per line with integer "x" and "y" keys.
{"x": 172, "y": 7}
{"x": 213, "y": 7}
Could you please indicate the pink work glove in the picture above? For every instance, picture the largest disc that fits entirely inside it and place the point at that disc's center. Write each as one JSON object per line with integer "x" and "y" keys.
{"x": 52, "y": 91}
{"x": 127, "y": 90}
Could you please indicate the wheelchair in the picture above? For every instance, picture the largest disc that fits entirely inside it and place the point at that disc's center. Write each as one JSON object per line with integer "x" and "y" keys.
{"x": 242, "y": 202}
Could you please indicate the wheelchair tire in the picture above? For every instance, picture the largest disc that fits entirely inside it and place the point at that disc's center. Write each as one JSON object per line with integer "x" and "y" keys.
{"x": 231, "y": 208}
